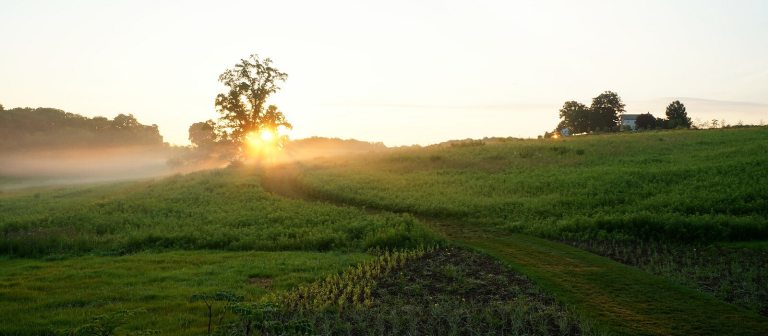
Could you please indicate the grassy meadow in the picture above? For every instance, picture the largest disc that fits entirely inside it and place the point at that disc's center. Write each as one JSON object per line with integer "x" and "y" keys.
{"x": 221, "y": 209}
{"x": 679, "y": 186}
{"x": 73, "y": 253}
{"x": 666, "y": 201}
{"x": 44, "y": 296}
{"x": 643, "y": 233}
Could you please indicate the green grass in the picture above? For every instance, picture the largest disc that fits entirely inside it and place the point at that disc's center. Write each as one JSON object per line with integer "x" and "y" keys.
{"x": 71, "y": 253}
{"x": 445, "y": 291}
{"x": 621, "y": 299}
{"x": 699, "y": 188}
{"x": 223, "y": 209}
{"x": 684, "y": 186}
{"x": 37, "y": 297}
{"x": 612, "y": 297}
{"x": 729, "y": 271}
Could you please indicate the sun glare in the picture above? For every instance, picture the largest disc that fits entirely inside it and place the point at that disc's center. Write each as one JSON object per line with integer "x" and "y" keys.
{"x": 265, "y": 143}
{"x": 267, "y": 135}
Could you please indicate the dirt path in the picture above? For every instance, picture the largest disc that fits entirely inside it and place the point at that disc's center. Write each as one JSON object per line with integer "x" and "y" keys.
{"x": 620, "y": 299}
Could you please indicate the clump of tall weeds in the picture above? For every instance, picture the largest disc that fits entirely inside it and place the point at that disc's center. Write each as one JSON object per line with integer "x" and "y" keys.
{"x": 353, "y": 288}
{"x": 423, "y": 291}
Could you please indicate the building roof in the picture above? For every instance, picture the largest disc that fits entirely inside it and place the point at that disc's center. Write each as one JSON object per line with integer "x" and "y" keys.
{"x": 629, "y": 116}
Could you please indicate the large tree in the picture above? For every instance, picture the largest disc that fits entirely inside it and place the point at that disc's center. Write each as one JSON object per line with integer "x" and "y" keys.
{"x": 243, "y": 106}
{"x": 606, "y": 109}
{"x": 677, "y": 116}
{"x": 575, "y": 116}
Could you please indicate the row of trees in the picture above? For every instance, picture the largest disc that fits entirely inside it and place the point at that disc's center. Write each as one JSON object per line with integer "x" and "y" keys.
{"x": 677, "y": 117}
{"x": 604, "y": 115}
{"x": 49, "y": 128}
{"x": 601, "y": 116}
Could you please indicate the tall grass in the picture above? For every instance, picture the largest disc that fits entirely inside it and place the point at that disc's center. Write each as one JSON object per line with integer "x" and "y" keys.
{"x": 645, "y": 199}
{"x": 415, "y": 292}
{"x": 683, "y": 186}
{"x": 733, "y": 274}
{"x": 223, "y": 209}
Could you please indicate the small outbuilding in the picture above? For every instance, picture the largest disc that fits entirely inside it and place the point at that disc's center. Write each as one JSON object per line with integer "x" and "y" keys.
{"x": 629, "y": 121}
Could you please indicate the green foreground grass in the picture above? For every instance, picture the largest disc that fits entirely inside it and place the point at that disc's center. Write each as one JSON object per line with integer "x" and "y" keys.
{"x": 677, "y": 189}
{"x": 622, "y": 299}
{"x": 437, "y": 291}
{"x": 38, "y": 297}
{"x": 221, "y": 209}
{"x": 72, "y": 253}
{"x": 612, "y": 297}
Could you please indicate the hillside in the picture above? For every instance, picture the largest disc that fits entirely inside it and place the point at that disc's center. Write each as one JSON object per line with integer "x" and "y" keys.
{"x": 701, "y": 186}
{"x": 651, "y": 233}
{"x": 687, "y": 205}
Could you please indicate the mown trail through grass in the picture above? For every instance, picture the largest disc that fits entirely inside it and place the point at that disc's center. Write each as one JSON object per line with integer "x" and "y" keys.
{"x": 619, "y": 298}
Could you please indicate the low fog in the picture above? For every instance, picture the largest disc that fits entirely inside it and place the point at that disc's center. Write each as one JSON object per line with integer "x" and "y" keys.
{"x": 31, "y": 168}
{"x": 67, "y": 166}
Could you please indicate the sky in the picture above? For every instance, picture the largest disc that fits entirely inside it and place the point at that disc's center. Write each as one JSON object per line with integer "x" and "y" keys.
{"x": 399, "y": 72}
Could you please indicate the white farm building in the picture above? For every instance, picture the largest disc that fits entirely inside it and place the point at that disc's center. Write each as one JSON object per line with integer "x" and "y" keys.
{"x": 629, "y": 120}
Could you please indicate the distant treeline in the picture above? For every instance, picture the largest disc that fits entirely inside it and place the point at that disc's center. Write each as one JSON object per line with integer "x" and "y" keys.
{"x": 49, "y": 128}
{"x": 322, "y": 144}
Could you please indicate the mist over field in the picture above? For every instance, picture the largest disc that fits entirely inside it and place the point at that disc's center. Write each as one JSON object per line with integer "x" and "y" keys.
{"x": 80, "y": 165}
{"x": 41, "y": 166}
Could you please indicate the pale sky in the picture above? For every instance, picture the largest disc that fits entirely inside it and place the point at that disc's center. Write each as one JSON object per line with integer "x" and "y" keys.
{"x": 401, "y": 72}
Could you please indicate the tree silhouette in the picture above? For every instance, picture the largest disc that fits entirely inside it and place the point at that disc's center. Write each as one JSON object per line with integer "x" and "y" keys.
{"x": 575, "y": 116}
{"x": 645, "y": 121}
{"x": 603, "y": 115}
{"x": 242, "y": 107}
{"x": 677, "y": 116}
{"x": 34, "y": 128}
{"x": 203, "y": 134}
{"x": 606, "y": 109}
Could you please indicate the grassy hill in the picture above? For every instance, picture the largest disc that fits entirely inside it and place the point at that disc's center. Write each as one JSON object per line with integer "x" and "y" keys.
{"x": 637, "y": 233}
{"x": 674, "y": 203}
{"x": 687, "y": 186}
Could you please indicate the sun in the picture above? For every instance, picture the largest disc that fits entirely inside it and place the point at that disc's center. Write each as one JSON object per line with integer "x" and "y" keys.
{"x": 265, "y": 143}
{"x": 267, "y": 135}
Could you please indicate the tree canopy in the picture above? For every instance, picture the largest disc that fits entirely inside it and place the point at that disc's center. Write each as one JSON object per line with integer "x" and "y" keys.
{"x": 242, "y": 107}
{"x": 602, "y": 116}
{"x": 606, "y": 110}
{"x": 677, "y": 116}
{"x": 645, "y": 121}
{"x": 575, "y": 116}
{"x": 49, "y": 128}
